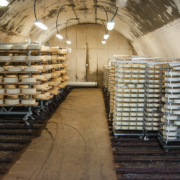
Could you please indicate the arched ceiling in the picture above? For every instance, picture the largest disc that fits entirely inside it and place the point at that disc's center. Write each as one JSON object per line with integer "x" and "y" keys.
{"x": 137, "y": 19}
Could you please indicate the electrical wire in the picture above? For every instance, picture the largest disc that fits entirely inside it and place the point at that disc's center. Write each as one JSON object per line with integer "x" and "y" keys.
{"x": 115, "y": 13}
{"x": 35, "y": 9}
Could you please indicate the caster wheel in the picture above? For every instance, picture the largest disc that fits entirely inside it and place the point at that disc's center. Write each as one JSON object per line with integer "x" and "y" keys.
{"x": 29, "y": 123}
{"x": 140, "y": 137}
{"x": 166, "y": 150}
{"x": 41, "y": 116}
{"x": 146, "y": 138}
{"x": 34, "y": 118}
{"x": 115, "y": 137}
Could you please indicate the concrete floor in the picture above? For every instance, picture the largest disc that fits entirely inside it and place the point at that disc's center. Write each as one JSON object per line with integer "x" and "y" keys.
{"x": 74, "y": 146}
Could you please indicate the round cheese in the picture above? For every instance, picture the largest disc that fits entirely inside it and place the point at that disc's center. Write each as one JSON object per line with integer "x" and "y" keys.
{"x": 22, "y": 67}
{"x": 40, "y": 86}
{"x": 6, "y": 67}
{"x": 34, "y": 58}
{"x": 5, "y": 58}
{"x": 11, "y": 101}
{"x": 46, "y": 67}
{"x": 11, "y": 75}
{"x": 10, "y": 80}
{"x": 29, "y": 91}
{"x": 23, "y": 86}
{"x": 28, "y": 101}
{"x": 47, "y": 76}
{"x": 39, "y": 67}
{"x": 22, "y": 76}
{"x": 9, "y": 86}
{"x": 12, "y": 96}
{"x": 17, "y": 69}
{"x": 28, "y": 80}
{"x": 19, "y": 58}
{"x": 34, "y": 46}
{"x": 40, "y": 96}
{"x": 6, "y": 46}
{"x": 47, "y": 94}
{"x": 1, "y": 101}
{"x": 39, "y": 77}
{"x": 2, "y": 91}
{"x": 1, "y": 69}
{"x": 12, "y": 91}
{"x": 31, "y": 69}
{"x": 19, "y": 46}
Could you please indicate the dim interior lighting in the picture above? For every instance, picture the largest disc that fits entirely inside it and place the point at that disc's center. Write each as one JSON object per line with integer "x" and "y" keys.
{"x": 68, "y": 42}
{"x": 59, "y": 36}
{"x": 4, "y": 2}
{"x": 106, "y": 36}
{"x": 110, "y": 25}
{"x": 121, "y": 3}
{"x": 103, "y": 42}
{"x": 40, "y": 25}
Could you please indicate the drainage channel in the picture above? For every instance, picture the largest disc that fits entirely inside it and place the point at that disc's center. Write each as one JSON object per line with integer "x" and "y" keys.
{"x": 137, "y": 159}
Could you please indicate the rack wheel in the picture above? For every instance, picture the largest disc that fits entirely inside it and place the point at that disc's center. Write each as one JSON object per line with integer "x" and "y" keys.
{"x": 34, "y": 118}
{"x": 41, "y": 116}
{"x": 115, "y": 137}
{"x": 29, "y": 123}
{"x": 146, "y": 138}
{"x": 140, "y": 137}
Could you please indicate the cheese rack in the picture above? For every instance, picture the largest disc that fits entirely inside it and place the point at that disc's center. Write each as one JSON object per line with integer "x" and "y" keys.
{"x": 43, "y": 104}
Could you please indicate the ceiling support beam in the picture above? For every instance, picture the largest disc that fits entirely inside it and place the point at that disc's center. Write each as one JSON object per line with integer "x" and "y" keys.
{"x": 72, "y": 2}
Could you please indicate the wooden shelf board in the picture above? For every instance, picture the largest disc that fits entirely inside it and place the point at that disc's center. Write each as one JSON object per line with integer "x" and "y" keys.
{"x": 21, "y": 83}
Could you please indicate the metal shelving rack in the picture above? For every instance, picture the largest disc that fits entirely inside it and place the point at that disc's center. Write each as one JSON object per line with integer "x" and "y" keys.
{"x": 169, "y": 133}
{"x": 130, "y": 89}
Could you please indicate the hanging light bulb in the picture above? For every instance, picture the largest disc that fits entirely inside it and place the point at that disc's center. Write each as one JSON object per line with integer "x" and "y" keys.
{"x": 4, "y": 2}
{"x": 110, "y": 25}
{"x": 103, "y": 41}
{"x": 68, "y": 42}
{"x": 40, "y": 25}
{"x": 59, "y": 36}
{"x": 106, "y": 36}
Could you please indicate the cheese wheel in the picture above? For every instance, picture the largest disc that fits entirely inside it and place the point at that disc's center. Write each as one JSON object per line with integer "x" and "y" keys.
{"x": 6, "y": 67}
{"x": 31, "y": 69}
{"x": 1, "y": 101}
{"x": 40, "y": 86}
{"x": 11, "y": 75}
{"x": 9, "y": 86}
{"x": 46, "y": 85}
{"x": 53, "y": 74}
{"x": 39, "y": 67}
{"x": 29, "y": 91}
{"x": 5, "y": 58}
{"x": 39, "y": 77}
{"x": 19, "y": 46}
{"x": 22, "y": 76}
{"x": 12, "y": 96}
{"x": 34, "y": 58}
{"x": 40, "y": 96}
{"x": 34, "y": 46}
{"x": 6, "y": 46}
{"x": 47, "y": 76}
{"x": 23, "y": 86}
{"x": 11, "y": 101}
{"x": 28, "y": 101}
{"x": 46, "y": 67}
{"x": 10, "y": 80}
{"x": 12, "y": 91}
{"x": 19, "y": 58}
{"x": 47, "y": 94}
{"x": 22, "y": 67}
{"x": 28, "y": 80}
{"x": 1, "y": 69}
{"x": 58, "y": 73}
{"x": 59, "y": 65}
{"x": 0, "y": 79}
{"x": 17, "y": 69}
{"x": 2, "y": 91}
{"x": 51, "y": 83}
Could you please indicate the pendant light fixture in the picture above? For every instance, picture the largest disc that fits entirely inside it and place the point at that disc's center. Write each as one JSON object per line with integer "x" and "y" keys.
{"x": 37, "y": 22}
{"x": 103, "y": 41}
{"x": 67, "y": 41}
{"x": 4, "y": 2}
{"x": 59, "y": 35}
{"x": 111, "y": 23}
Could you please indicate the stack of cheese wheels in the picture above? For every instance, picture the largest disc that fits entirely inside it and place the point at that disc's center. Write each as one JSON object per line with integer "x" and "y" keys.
{"x": 29, "y": 80}
{"x": 29, "y": 91}
{"x": 17, "y": 69}
{"x": 152, "y": 108}
{"x": 13, "y": 91}
{"x": 171, "y": 103}
{"x": 129, "y": 92}
{"x": 31, "y": 69}
{"x": 12, "y": 102}
{"x": 19, "y": 58}
{"x": 28, "y": 101}
{"x": 10, "y": 80}
{"x": 34, "y": 58}
{"x": 5, "y": 58}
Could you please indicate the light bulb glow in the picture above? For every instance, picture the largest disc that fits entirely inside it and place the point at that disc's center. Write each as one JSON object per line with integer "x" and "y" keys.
{"x": 68, "y": 42}
{"x": 40, "y": 25}
{"x": 110, "y": 25}
{"x": 59, "y": 36}
{"x": 106, "y": 36}
{"x": 103, "y": 42}
{"x": 4, "y": 2}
